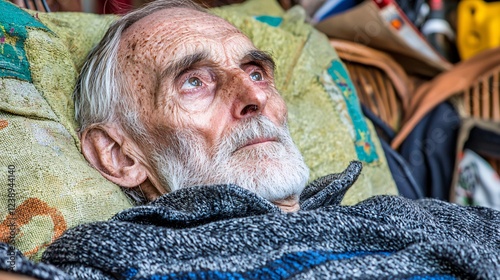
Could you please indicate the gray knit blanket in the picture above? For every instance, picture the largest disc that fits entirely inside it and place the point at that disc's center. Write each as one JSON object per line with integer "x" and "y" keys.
{"x": 226, "y": 232}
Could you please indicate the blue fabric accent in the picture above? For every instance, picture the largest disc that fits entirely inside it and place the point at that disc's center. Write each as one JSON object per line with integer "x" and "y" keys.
{"x": 13, "y": 34}
{"x": 364, "y": 146}
{"x": 285, "y": 267}
{"x": 130, "y": 273}
{"x": 433, "y": 277}
{"x": 270, "y": 20}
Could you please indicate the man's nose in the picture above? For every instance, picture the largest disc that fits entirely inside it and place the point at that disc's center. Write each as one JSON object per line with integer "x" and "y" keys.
{"x": 250, "y": 99}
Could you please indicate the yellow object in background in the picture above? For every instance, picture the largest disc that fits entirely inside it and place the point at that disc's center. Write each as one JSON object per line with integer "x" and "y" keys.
{"x": 478, "y": 27}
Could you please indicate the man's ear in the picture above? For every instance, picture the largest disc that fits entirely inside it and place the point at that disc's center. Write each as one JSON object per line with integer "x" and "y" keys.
{"x": 103, "y": 148}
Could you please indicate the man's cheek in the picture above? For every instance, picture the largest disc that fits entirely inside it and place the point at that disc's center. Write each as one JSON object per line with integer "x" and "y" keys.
{"x": 278, "y": 109}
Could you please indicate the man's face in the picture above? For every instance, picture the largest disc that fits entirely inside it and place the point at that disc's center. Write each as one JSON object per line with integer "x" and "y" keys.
{"x": 207, "y": 99}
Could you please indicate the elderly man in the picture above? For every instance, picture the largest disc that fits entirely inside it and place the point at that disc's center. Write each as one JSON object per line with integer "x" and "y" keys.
{"x": 178, "y": 106}
{"x": 185, "y": 99}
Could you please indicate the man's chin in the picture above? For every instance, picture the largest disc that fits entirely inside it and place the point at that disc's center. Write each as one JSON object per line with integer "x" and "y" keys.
{"x": 273, "y": 178}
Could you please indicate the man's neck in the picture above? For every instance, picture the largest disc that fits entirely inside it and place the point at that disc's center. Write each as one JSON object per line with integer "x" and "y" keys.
{"x": 289, "y": 204}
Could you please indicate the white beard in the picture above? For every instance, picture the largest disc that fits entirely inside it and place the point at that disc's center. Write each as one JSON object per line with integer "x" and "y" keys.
{"x": 273, "y": 170}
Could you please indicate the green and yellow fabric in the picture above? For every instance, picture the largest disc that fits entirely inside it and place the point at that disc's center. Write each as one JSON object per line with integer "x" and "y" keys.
{"x": 48, "y": 187}
{"x": 51, "y": 187}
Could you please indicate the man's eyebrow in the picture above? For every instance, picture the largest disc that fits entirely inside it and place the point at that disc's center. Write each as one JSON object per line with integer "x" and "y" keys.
{"x": 260, "y": 57}
{"x": 178, "y": 66}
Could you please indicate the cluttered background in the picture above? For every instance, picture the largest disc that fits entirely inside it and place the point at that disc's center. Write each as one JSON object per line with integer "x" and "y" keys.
{"x": 427, "y": 75}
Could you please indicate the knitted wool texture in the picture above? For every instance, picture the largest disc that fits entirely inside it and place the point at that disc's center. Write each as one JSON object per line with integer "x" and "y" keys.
{"x": 226, "y": 232}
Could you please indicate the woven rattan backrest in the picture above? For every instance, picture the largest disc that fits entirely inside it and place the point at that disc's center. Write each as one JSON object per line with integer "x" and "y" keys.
{"x": 482, "y": 101}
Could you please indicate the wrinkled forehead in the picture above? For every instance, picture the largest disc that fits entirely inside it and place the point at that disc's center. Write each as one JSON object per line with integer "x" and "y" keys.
{"x": 173, "y": 33}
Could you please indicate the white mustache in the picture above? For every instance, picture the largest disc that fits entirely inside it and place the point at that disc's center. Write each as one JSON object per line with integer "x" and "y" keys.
{"x": 259, "y": 127}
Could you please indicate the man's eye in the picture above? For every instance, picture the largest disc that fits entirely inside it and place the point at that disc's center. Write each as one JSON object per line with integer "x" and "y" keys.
{"x": 256, "y": 76}
{"x": 191, "y": 83}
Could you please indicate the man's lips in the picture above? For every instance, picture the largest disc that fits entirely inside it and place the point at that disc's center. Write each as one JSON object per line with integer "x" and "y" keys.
{"x": 257, "y": 141}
